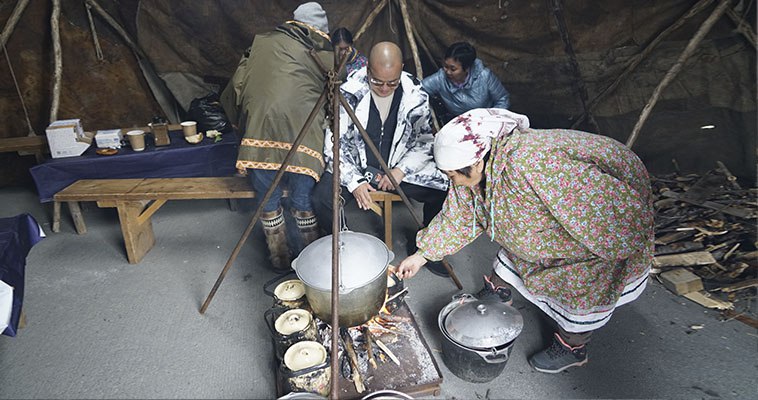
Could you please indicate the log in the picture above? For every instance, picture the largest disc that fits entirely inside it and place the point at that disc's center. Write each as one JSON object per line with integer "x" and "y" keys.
{"x": 748, "y": 283}
{"x": 731, "y": 210}
{"x": 706, "y": 300}
{"x": 369, "y": 19}
{"x": 681, "y": 281}
{"x": 684, "y": 259}
{"x": 10, "y": 25}
{"x": 673, "y": 237}
{"x": 729, "y": 177}
{"x": 747, "y": 320}
{"x": 676, "y": 248}
{"x": 58, "y": 60}
{"x": 353, "y": 358}
{"x": 637, "y": 59}
{"x": 677, "y": 67}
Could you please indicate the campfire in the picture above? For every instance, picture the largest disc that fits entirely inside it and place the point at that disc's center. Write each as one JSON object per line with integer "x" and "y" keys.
{"x": 386, "y": 352}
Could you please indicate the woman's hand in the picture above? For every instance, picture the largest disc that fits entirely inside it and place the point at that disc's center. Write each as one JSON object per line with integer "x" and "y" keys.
{"x": 410, "y": 266}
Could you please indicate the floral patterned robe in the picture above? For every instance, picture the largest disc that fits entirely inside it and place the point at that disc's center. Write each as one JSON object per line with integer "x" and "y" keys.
{"x": 573, "y": 213}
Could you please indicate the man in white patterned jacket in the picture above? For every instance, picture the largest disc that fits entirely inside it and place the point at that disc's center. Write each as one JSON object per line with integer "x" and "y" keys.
{"x": 394, "y": 109}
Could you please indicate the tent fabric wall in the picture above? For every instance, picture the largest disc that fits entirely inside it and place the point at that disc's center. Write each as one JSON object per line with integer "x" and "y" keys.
{"x": 519, "y": 40}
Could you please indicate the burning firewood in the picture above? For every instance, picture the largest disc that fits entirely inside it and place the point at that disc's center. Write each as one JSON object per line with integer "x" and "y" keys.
{"x": 353, "y": 358}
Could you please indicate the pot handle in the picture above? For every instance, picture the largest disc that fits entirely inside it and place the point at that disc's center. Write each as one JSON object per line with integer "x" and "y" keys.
{"x": 495, "y": 356}
{"x": 268, "y": 286}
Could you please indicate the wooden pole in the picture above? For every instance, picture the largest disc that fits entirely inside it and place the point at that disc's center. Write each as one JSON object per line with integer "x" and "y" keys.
{"x": 286, "y": 162}
{"x": 637, "y": 59}
{"x": 117, "y": 27}
{"x": 742, "y": 27}
{"x": 370, "y": 19}
{"x": 568, "y": 47}
{"x": 411, "y": 34}
{"x": 677, "y": 67}
{"x": 411, "y": 39}
{"x": 58, "y": 60}
{"x": 12, "y": 21}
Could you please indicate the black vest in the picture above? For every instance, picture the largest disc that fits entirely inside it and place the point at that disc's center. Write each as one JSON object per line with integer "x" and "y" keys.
{"x": 382, "y": 136}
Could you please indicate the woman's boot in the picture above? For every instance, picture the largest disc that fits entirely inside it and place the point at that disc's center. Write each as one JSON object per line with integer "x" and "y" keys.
{"x": 306, "y": 224}
{"x": 276, "y": 239}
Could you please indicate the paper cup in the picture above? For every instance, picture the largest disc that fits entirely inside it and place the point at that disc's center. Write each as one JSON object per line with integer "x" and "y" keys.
{"x": 136, "y": 139}
{"x": 189, "y": 128}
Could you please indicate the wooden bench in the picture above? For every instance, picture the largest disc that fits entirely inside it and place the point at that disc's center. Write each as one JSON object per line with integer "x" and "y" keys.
{"x": 36, "y": 145}
{"x": 138, "y": 199}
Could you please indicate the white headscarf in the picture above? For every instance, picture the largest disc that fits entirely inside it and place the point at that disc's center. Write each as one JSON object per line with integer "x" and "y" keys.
{"x": 468, "y": 137}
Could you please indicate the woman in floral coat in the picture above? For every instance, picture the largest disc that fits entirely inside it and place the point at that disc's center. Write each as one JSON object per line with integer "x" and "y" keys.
{"x": 572, "y": 212}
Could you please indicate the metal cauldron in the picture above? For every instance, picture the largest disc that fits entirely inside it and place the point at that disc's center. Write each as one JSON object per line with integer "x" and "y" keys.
{"x": 478, "y": 336}
{"x": 363, "y": 276}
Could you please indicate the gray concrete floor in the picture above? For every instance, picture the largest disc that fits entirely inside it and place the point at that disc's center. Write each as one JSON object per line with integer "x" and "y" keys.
{"x": 99, "y": 327}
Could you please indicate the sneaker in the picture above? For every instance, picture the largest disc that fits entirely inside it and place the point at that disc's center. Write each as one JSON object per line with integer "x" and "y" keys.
{"x": 559, "y": 356}
{"x": 437, "y": 268}
{"x": 490, "y": 292}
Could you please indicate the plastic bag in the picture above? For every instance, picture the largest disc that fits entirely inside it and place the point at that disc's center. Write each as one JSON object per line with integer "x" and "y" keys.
{"x": 209, "y": 114}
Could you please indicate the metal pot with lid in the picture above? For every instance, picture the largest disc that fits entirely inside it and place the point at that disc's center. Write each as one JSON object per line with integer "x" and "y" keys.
{"x": 479, "y": 336}
{"x": 289, "y": 326}
{"x": 362, "y": 282}
{"x": 306, "y": 368}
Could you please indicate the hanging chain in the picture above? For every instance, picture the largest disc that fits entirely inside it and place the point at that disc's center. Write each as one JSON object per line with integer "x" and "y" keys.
{"x": 343, "y": 218}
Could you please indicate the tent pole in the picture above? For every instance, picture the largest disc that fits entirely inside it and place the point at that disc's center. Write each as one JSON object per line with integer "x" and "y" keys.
{"x": 677, "y": 67}
{"x": 637, "y": 59}
{"x": 370, "y": 19}
{"x": 10, "y": 25}
{"x": 58, "y": 60}
{"x": 742, "y": 27}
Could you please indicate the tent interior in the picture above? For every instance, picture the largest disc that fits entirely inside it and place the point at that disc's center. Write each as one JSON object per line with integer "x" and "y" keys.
{"x": 595, "y": 66}
{"x": 556, "y": 59}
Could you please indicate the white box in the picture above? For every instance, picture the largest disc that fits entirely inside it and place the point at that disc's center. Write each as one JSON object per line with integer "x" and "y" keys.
{"x": 109, "y": 139}
{"x": 66, "y": 138}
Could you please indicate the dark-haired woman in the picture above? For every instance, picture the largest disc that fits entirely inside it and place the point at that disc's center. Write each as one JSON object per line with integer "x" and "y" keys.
{"x": 342, "y": 40}
{"x": 464, "y": 83}
{"x": 572, "y": 212}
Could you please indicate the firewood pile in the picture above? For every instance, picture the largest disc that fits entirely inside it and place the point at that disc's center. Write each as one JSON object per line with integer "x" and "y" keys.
{"x": 705, "y": 240}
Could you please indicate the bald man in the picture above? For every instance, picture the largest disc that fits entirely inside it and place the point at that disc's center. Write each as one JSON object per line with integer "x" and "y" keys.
{"x": 391, "y": 106}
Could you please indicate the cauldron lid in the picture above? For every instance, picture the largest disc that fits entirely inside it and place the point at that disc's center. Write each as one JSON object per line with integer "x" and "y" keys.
{"x": 290, "y": 290}
{"x": 292, "y": 321}
{"x": 363, "y": 258}
{"x": 483, "y": 325}
{"x": 305, "y": 354}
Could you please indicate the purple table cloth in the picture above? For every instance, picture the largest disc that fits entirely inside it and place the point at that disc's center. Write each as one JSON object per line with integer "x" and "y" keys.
{"x": 178, "y": 160}
{"x": 17, "y": 236}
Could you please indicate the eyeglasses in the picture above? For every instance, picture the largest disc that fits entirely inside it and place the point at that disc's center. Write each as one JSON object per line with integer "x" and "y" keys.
{"x": 390, "y": 84}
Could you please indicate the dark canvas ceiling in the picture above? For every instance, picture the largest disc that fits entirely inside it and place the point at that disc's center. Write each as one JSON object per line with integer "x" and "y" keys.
{"x": 195, "y": 46}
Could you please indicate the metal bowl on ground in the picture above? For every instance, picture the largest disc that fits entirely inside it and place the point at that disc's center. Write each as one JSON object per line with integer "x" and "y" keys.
{"x": 478, "y": 337}
{"x": 305, "y": 367}
{"x": 362, "y": 282}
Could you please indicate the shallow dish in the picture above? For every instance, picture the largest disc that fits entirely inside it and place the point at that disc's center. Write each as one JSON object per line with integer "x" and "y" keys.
{"x": 106, "y": 152}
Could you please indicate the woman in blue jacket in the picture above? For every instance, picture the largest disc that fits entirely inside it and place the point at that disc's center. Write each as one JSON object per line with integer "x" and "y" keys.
{"x": 464, "y": 83}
